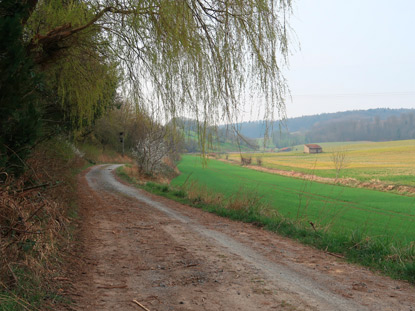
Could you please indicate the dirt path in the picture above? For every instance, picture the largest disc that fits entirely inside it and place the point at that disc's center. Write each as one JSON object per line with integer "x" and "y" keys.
{"x": 172, "y": 257}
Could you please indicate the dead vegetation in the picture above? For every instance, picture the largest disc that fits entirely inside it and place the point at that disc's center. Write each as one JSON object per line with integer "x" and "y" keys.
{"x": 35, "y": 214}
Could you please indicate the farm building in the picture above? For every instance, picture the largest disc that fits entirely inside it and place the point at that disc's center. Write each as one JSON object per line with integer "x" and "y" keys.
{"x": 312, "y": 148}
{"x": 286, "y": 149}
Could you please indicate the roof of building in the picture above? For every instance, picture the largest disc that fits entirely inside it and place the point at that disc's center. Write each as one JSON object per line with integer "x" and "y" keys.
{"x": 313, "y": 146}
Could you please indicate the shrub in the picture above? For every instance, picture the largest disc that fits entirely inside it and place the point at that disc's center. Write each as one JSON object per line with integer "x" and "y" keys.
{"x": 259, "y": 161}
{"x": 246, "y": 161}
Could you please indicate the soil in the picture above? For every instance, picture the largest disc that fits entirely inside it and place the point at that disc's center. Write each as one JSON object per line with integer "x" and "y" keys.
{"x": 167, "y": 256}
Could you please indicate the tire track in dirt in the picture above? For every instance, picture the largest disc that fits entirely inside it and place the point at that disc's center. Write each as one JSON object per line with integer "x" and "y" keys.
{"x": 173, "y": 257}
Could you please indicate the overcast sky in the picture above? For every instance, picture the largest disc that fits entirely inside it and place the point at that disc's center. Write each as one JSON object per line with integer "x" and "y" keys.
{"x": 354, "y": 54}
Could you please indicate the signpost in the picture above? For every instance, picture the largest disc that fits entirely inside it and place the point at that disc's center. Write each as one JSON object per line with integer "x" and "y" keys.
{"x": 122, "y": 141}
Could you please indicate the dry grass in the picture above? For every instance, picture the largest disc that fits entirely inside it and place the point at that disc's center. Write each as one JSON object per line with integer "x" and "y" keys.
{"x": 31, "y": 225}
{"x": 117, "y": 158}
{"x": 198, "y": 193}
{"x": 169, "y": 172}
{"x": 361, "y": 155}
{"x": 132, "y": 171}
{"x": 244, "y": 200}
{"x": 34, "y": 218}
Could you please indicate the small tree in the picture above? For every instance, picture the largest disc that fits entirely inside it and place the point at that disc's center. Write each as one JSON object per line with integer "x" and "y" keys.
{"x": 339, "y": 157}
{"x": 155, "y": 144}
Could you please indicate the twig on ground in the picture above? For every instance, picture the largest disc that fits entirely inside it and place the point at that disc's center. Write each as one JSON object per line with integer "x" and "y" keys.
{"x": 140, "y": 305}
{"x": 142, "y": 227}
{"x": 191, "y": 265}
{"x": 335, "y": 255}
{"x": 112, "y": 286}
{"x": 12, "y": 272}
{"x": 33, "y": 187}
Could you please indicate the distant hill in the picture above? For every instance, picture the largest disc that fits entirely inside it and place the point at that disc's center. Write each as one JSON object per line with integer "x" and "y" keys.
{"x": 256, "y": 129}
{"x": 357, "y": 125}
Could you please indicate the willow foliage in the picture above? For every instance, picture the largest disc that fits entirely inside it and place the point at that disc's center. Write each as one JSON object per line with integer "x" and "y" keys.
{"x": 80, "y": 71}
{"x": 199, "y": 57}
{"x": 204, "y": 57}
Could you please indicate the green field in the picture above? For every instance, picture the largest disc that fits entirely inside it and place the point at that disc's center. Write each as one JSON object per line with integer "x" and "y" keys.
{"x": 342, "y": 209}
{"x": 391, "y": 162}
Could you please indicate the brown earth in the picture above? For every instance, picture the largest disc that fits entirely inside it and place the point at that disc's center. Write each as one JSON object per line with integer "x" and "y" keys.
{"x": 351, "y": 182}
{"x": 167, "y": 256}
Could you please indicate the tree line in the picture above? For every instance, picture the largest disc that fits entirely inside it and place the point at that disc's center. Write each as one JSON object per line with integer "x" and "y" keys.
{"x": 258, "y": 129}
{"x": 348, "y": 129}
{"x": 393, "y": 128}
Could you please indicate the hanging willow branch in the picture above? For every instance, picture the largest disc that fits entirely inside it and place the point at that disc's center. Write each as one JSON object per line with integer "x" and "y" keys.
{"x": 205, "y": 58}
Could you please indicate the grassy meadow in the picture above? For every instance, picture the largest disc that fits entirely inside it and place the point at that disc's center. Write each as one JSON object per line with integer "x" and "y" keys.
{"x": 390, "y": 162}
{"x": 332, "y": 208}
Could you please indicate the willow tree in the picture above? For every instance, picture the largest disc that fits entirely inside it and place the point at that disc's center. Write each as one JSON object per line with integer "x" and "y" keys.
{"x": 199, "y": 57}
{"x": 79, "y": 70}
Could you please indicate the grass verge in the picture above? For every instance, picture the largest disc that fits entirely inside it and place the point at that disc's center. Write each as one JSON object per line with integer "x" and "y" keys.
{"x": 388, "y": 256}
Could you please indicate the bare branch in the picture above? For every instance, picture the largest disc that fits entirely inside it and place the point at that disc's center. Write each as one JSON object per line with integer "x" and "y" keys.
{"x": 339, "y": 157}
